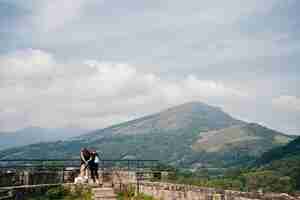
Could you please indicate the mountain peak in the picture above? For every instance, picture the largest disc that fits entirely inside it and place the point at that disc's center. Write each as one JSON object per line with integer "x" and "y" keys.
{"x": 194, "y": 103}
{"x": 181, "y": 119}
{"x": 197, "y": 114}
{"x": 195, "y": 106}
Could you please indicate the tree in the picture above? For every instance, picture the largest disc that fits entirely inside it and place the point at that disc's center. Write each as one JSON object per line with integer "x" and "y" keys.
{"x": 268, "y": 181}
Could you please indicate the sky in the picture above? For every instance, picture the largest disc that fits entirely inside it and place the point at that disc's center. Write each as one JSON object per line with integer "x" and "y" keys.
{"x": 91, "y": 64}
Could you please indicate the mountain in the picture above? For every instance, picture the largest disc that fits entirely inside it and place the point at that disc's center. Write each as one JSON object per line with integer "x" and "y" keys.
{"x": 31, "y": 135}
{"x": 291, "y": 150}
{"x": 189, "y": 135}
{"x": 238, "y": 144}
{"x": 176, "y": 120}
{"x": 284, "y": 160}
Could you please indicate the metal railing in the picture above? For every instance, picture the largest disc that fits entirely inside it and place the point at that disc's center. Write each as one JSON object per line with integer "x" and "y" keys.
{"x": 64, "y": 163}
{"x": 5, "y": 194}
{"x": 15, "y": 172}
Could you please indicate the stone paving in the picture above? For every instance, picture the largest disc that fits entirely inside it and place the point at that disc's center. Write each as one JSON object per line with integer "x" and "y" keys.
{"x": 104, "y": 193}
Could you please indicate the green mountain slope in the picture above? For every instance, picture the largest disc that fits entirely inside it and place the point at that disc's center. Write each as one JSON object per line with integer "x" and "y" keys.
{"x": 181, "y": 119}
{"x": 284, "y": 161}
{"x": 175, "y": 136}
{"x": 240, "y": 143}
{"x": 291, "y": 150}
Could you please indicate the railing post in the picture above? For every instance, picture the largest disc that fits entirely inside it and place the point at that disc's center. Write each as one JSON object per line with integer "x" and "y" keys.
{"x": 63, "y": 175}
{"x": 102, "y": 171}
{"x": 138, "y": 184}
{"x": 26, "y": 177}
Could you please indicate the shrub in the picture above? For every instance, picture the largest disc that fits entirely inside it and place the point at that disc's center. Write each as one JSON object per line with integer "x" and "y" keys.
{"x": 268, "y": 181}
{"x": 56, "y": 193}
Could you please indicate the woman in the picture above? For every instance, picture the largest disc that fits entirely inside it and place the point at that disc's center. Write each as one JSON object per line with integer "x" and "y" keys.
{"x": 94, "y": 165}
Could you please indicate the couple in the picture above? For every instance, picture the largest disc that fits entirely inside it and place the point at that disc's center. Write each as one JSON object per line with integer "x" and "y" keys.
{"x": 89, "y": 161}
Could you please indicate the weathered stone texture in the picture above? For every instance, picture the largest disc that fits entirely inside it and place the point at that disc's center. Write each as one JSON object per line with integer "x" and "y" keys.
{"x": 168, "y": 191}
{"x": 159, "y": 190}
{"x": 36, "y": 177}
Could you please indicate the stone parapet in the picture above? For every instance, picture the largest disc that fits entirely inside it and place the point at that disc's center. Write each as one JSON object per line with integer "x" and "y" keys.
{"x": 36, "y": 177}
{"x": 169, "y": 191}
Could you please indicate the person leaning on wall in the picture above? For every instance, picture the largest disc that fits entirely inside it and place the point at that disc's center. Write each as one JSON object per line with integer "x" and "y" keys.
{"x": 94, "y": 166}
{"x": 85, "y": 156}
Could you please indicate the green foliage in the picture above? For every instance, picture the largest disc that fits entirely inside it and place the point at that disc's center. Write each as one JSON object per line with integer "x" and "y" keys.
{"x": 129, "y": 194}
{"x": 284, "y": 160}
{"x": 56, "y": 193}
{"x": 289, "y": 150}
{"x": 138, "y": 197}
{"x": 268, "y": 181}
{"x": 163, "y": 167}
{"x": 144, "y": 197}
{"x": 276, "y": 171}
{"x": 80, "y": 193}
{"x": 60, "y": 193}
{"x": 203, "y": 178}
{"x": 242, "y": 179}
{"x": 289, "y": 166}
{"x": 225, "y": 183}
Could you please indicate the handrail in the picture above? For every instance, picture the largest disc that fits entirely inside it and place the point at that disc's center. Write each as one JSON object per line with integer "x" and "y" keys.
{"x": 60, "y": 160}
{"x": 5, "y": 194}
{"x": 61, "y": 163}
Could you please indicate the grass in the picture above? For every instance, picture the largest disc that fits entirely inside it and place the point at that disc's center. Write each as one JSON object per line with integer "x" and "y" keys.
{"x": 122, "y": 196}
{"x": 129, "y": 194}
{"x": 61, "y": 193}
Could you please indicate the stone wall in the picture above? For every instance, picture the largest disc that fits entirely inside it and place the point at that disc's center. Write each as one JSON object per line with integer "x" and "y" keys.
{"x": 167, "y": 191}
{"x": 36, "y": 177}
{"x": 11, "y": 178}
{"x": 122, "y": 179}
{"x": 26, "y": 191}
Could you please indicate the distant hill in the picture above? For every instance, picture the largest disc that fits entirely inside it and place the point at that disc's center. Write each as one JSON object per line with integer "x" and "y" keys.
{"x": 31, "y": 135}
{"x": 286, "y": 152}
{"x": 284, "y": 160}
{"x": 189, "y": 135}
{"x": 238, "y": 144}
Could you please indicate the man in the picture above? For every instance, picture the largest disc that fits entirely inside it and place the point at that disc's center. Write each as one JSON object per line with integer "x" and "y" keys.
{"x": 85, "y": 156}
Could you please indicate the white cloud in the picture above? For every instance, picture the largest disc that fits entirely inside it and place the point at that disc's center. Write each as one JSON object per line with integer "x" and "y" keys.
{"x": 287, "y": 103}
{"x": 210, "y": 88}
{"x": 24, "y": 63}
{"x": 93, "y": 94}
{"x": 163, "y": 52}
{"x": 52, "y": 16}
{"x": 27, "y": 68}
